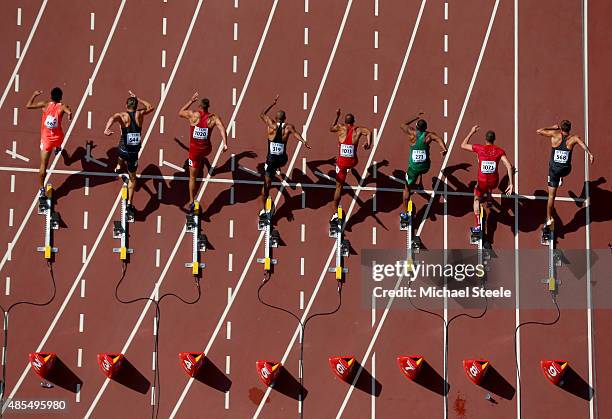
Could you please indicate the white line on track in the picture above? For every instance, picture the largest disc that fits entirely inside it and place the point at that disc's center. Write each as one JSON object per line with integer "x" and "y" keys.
{"x": 305, "y": 68}
{"x": 16, "y": 83}
{"x": 7, "y": 286}
{"x": 19, "y": 16}
{"x": 235, "y": 31}
{"x": 23, "y": 53}
{"x": 92, "y": 21}
{"x": 164, "y": 26}
{"x": 305, "y": 36}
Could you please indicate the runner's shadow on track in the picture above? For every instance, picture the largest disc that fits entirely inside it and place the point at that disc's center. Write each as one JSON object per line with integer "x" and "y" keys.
{"x": 598, "y": 211}
{"x": 497, "y": 384}
{"x": 242, "y": 192}
{"x": 175, "y": 192}
{"x": 431, "y": 380}
{"x": 61, "y": 375}
{"x": 286, "y": 384}
{"x": 576, "y": 385}
{"x": 212, "y": 376}
{"x": 77, "y": 180}
{"x": 131, "y": 378}
{"x": 365, "y": 380}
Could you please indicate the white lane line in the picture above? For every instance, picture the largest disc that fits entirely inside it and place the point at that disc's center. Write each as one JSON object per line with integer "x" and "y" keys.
{"x": 229, "y": 294}
{"x": 375, "y": 7}
{"x": 231, "y": 229}
{"x": 72, "y": 125}
{"x": 161, "y": 124}
{"x": 92, "y": 21}
{"x": 173, "y": 166}
{"x": 304, "y": 165}
{"x": 305, "y": 36}
{"x": 84, "y": 254}
{"x": 354, "y": 199}
{"x": 390, "y": 302}
{"x": 302, "y": 266}
{"x": 163, "y": 58}
{"x": 7, "y": 286}
{"x": 159, "y": 224}
{"x": 306, "y": 7}
{"x": 153, "y": 360}
{"x": 445, "y": 11}
{"x": 85, "y": 219}
{"x": 230, "y": 262}
{"x": 305, "y": 68}
{"x": 303, "y": 233}
{"x": 445, "y": 43}
{"x": 235, "y": 31}
{"x": 585, "y": 49}
{"x": 16, "y": 83}
{"x": 375, "y": 72}
{"x": 227, "y": 400}
{"x": 235, "y": 4}
{"x": 10, "y": 220}
{"x": 445, "y": 75}
{"x": 19, "y": 16}
{"x": 25, "y": 50}
{"x": 233, "y": 98}
{"x": 12, "y": 184}
{"x": 375, "y": 104}
{"x": 374, "y": 202}
{"x": 159, "y": 191}
{"x": 375, "y": 39}
{"x": 15, "y": 116}
{"x": 305, "y": 101}
{"x": 88, "y": 127}
{"x": 517, "y": 293}
{"x": 303, "y": 194}
{"x": 91, "y": 54}
{"x": 461, "y": 114}
{"x": 157, "y": 257}
{"x": 228, "y": 327}
{"x": 232, "y": 195}
{"x": 446, "y": 108}
{"x": 17, "y": 49}
{"x": 301, "y": 300}
{"x": 373, "y": 389}
{"x": 82, "y": 288}
{"x": 374, "y": 235}
{"x": 278, "y": 196}
{"x": 227, "y": 364}
{"x": 164, "y": 26}
{"x": 234, "y": 64}
{"x": 86, "y": 189}
{"x": 81, "y": 322}
{"x": 80, "y": 357}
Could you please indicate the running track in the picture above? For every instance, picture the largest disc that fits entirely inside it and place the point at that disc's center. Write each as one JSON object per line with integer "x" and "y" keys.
{"x": 495, "y": 64}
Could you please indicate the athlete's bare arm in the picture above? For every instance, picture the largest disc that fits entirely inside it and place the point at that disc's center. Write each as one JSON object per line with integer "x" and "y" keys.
{"x": 221, "y": 127}
{"x": 511, "y": 172}
{"x": 435, "y": 138}
{"x": 115, "y": 118}
{"x": 335, "y": 127}
{"x": 264, "y": 115}
{"x": 297, "y": 135}
{"x": 549, "y": 131}
{"x": 465, "y": 144}
{"x": 406, "y": 126}
{"x": 184, "y": 112}
{"x": 66, "y": 109}
{"x": 583, "y": 146}
{"x": 368, "y": 134}
{"x": 36, "y": 105}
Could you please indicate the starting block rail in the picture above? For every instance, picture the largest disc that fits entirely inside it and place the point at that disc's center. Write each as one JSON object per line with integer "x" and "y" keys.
{"x": 120, "y": 228}
{"x": 198, "y": 241}
{"x": 271, "y": 237}
{"x": 45, "y": 207}
{"x": 413, "y": 243}
{"x": 554, "y": 258}
{"x": 336, "y": 230}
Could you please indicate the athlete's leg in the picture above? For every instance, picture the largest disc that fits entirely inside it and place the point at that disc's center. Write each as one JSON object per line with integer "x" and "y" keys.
{"x": 42, "y": 171}
{"x": 406, "y": 196}
{"x": 265, "y": 190}
{"x": 193, "y": 174}
{"x": 550, "y": 205}
{"x": 131, "y": 186}
{"x": 337, "y": 195}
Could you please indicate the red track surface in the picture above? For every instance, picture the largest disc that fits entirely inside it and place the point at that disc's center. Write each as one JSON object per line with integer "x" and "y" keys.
{"x": 228, "y": 322}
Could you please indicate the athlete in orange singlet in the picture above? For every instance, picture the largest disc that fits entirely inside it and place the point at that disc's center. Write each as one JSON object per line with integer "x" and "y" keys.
{"x": 51, "y": 133}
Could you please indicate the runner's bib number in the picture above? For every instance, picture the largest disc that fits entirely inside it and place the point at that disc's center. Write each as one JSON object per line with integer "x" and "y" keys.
{"x": 200, "y": 133}
{"x": 51, "y": 122}
{"x": 277, "y": 148}
{"x": 419, "y": 156}
{"x": 132, "y": 138}
{"x": 487, "y": 167}
{"x": 561, "y": 156}
{"x": 347, "y": 150}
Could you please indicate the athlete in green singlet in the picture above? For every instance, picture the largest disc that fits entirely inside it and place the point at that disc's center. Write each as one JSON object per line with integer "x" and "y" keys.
{"x": 418, "y": 160}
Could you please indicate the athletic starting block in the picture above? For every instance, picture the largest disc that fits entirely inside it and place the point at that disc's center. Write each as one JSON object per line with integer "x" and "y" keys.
{"x": 110, "y": 363}
{"x": 342, "y": 366}
{"x": 271, "y": 236}
{"x": 554, "y": 370}
{"x": 554, "y": 258}
{"x": 410, "y": 365}
{"x": 42, "y": 363}
{"x": 267, "y": 371}
{"x": 192, "y": 225}
{"x": 191, "y": 362}
{"x": 343, "y": 246}
{"x": 120, "y": 228}
{"x": 475, "y": 369}
{"x": 45, "y": 207}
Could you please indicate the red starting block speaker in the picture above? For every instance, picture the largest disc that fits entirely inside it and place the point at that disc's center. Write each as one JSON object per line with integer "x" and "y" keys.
{"x": 267, "y": 371}
{"x": 110, "y": 363}
{"x": 42, "y": 362}
{"x": 191, "y": 362}
{"x": 342, "y": 366}
{"x": 475, "y": 369}
{"x": 554, "y": 370}
{"x": 410, "y": 365}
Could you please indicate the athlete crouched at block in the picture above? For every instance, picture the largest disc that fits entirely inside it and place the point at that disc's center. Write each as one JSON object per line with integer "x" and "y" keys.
{"x": 489, "y": 156}
{"x": 278, "y": 131}
{"x": 201, "y": 124}
{"x": 130, "y": 140}
{"x": 51, "y": 132}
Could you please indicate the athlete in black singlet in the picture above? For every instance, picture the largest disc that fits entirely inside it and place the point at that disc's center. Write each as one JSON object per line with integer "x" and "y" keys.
{"x": 278, "y": 134}
{"x": 130, "y": 141}
{"x": 560, "y": 164}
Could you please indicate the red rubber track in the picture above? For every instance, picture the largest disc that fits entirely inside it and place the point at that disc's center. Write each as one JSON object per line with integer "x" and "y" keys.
{"x": 550, "y": 88}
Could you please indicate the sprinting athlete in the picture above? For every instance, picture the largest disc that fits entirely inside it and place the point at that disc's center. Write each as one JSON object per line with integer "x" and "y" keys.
{"x": 202, "y": 123}
{"x": 130, "y": 141}
{"x": 560, "y": 163}
{"x": 418, "y": 160}
{"x": 278, "y": 133}
{"x": 348, "y": 140}
{"x": 51, "y": 133}
{"x": 489, "y": 156}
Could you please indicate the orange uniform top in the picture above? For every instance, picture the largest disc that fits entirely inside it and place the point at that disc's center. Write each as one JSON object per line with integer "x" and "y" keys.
{"x": 51, "y": 125}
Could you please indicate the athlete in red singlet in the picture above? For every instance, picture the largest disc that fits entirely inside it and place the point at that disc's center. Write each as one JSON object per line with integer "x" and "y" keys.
{"x": 201, "y": 125}
{"x": 489, "y": 156}
{"x": 51, "y": 133}
{"x": 348, "y": 140}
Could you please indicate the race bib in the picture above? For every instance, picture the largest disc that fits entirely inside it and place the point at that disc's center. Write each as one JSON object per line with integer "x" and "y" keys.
{"x": 132, "y": 138}
{"x": 51, "y": 122}
{"x": 277, "y": 148}
{"x": 561, "y": 156}
{"x": 419, "y": 156}
{"x": 347, "y": 150}
{"x": 487, "y": 167}
{"x": 200, "y": 133}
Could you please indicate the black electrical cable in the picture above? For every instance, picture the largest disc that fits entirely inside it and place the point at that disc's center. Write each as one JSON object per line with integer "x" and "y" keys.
{"x": 5, "y": 314}
{"x": 302, "y": 327}
{"x": 156, "y": 376}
